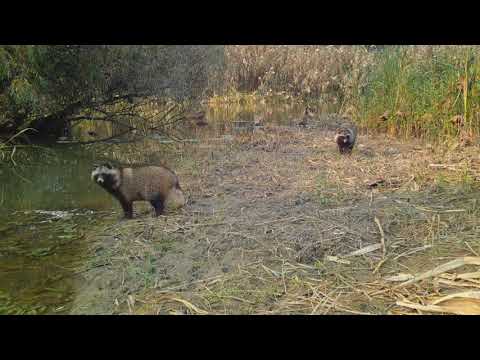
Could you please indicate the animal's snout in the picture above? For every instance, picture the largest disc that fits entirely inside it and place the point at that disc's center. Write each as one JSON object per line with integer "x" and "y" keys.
{"x": 100, "y": 180}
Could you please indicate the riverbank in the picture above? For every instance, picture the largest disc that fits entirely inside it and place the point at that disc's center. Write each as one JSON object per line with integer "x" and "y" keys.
{"x": 278, "y": 223}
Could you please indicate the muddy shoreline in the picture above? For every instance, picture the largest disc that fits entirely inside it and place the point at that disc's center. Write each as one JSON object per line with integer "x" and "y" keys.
{"x": 271, "y": 216}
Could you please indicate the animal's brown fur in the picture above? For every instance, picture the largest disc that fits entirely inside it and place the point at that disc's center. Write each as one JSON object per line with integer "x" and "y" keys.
{"x": 156, "y": 184}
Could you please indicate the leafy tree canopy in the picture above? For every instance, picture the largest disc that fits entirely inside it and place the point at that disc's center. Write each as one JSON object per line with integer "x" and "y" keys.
{"x": 40, "y": 83}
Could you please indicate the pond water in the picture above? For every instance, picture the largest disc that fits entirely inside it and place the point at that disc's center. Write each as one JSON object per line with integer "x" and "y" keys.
{"x": 48, "y": 204}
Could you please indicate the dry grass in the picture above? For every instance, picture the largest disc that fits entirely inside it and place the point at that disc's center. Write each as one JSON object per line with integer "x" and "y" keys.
{"x": 279, "y": 223}
{"x": 326, "y": 73}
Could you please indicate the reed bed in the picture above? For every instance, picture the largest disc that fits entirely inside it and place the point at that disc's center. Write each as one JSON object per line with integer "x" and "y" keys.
{"x": 411, "y": 91}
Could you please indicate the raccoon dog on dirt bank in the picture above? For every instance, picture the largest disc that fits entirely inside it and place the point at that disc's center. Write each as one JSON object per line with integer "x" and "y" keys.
{"x": 345, "y": 138}
{"x": 155, "y": 184}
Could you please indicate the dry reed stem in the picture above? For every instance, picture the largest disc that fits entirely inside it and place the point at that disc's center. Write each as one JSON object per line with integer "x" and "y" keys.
{"x": 454, "y": 264}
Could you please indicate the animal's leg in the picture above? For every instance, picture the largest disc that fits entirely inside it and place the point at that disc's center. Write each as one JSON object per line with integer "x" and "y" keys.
{"x": 127, "y": 209}
{"x": 158, "y": 205}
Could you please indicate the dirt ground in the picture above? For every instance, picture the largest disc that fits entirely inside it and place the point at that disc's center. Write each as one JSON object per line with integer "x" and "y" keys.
{"x": 278, "y": 222}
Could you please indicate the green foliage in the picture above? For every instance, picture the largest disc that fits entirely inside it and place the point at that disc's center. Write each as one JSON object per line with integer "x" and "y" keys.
{"x": 429, "y": 85}
{"x": 44, "y": 80}
{"x": 422, "y": 87}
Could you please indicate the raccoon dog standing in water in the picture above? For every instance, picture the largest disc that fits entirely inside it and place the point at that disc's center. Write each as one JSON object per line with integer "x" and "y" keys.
{"x": 155, "y": 184}
{"x": 345, "y": 138}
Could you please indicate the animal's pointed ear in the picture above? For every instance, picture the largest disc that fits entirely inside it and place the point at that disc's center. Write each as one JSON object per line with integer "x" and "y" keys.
{"x": 108, "y": 165}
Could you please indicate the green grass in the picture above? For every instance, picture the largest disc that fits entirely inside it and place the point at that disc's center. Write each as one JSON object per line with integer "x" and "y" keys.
{"x": 429, "y": 89}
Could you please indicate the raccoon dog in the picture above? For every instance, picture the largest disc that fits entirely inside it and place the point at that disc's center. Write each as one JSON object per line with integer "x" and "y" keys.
{"x": 345, "y": 139}
{"x": 155, "y": 184}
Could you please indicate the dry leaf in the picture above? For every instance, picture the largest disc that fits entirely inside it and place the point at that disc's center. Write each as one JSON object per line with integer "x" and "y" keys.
{"x": 466, "y": 294}
{"x": 457, "y": 306}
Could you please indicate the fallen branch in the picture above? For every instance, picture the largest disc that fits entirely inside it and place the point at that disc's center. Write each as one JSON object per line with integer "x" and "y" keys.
{"x": 457, "y": 304}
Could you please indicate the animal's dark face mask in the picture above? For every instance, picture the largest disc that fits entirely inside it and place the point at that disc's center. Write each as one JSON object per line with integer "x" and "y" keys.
{"x": 105, "y": 176}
